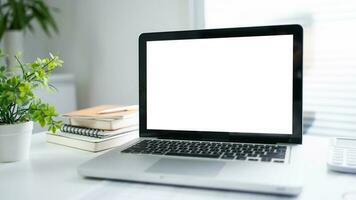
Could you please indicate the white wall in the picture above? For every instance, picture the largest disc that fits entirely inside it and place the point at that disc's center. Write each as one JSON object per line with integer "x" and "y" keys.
{"x": 98, "y": 42}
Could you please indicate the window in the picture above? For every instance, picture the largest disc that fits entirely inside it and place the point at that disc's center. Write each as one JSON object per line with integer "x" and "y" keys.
{"x": 329, "y": 52}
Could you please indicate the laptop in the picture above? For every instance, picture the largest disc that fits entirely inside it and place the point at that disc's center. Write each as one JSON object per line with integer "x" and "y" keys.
{"x": 219, "y": 108}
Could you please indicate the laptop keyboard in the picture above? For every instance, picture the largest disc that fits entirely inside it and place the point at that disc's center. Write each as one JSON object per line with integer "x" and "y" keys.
{"x": 214, "y": 150}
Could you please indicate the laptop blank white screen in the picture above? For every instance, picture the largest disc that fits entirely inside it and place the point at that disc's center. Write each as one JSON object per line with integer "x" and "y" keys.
{"x": 236, "y": 84}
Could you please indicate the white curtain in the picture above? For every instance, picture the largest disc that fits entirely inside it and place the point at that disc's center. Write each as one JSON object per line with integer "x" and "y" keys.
{"x": 329, "y": 52}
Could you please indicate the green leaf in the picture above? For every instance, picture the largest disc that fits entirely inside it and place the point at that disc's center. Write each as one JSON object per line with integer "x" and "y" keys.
{"x": 19, "y": 15}
{"x": 18, "y": 103}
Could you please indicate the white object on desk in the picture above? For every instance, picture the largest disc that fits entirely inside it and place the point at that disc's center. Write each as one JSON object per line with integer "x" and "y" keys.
{"x": 50, "y": 173}
{"x": 342, "y": 155}
{"x": 15, "y": 141}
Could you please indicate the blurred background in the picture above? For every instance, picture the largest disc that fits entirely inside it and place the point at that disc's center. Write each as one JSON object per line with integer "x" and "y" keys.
{"x": 98, "y": 41}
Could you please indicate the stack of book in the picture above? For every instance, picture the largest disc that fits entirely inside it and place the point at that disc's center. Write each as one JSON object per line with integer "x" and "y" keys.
{"x": 97, "y": 128}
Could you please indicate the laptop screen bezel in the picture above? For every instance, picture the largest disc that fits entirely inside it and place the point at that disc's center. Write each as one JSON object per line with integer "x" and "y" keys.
{"x": 295, "y": 137}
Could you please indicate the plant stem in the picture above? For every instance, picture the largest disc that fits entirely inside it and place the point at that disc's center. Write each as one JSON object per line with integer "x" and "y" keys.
{"x": 49, "y": 62}
{"x": 13, "y": 110}
{"x": 21, "y": 113}
{"x": 30, "y": 78}
{"x": 22, "y": 68}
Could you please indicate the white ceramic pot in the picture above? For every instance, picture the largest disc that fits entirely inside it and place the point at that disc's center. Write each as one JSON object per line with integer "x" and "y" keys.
{"x": 13, "y": 44}
{"x": 15, "y": 141}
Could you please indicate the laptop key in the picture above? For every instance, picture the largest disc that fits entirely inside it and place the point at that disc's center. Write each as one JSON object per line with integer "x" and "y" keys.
{"x": 266, "y": 159}
{"x": 278, "y": 161}
{"x": 241, "y": 158}
{"x": 251, "y": 155}
{"x": 193, "y": 155}
{"x": 228, "y": 156}
{"x": 146, "y": 152}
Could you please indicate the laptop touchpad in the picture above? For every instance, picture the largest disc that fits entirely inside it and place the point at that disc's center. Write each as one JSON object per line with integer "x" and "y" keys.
{"x": 186, "y": 167}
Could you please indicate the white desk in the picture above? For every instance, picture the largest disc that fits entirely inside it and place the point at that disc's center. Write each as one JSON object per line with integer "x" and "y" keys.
{"x": 51, "y": 174}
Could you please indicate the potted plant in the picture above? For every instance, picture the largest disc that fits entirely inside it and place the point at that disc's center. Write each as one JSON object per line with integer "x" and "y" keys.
{"x": 18, "y": 15}
{"x": 19, "y": 106}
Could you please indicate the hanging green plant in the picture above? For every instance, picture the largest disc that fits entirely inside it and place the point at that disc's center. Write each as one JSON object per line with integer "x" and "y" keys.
{"x": 19, "y": 15}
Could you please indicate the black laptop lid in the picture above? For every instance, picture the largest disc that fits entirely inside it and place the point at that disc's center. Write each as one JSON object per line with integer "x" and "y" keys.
{"x": 234, "y": 84}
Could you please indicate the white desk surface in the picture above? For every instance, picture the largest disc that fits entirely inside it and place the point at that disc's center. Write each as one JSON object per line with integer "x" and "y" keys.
{"x": 50, "y": 173}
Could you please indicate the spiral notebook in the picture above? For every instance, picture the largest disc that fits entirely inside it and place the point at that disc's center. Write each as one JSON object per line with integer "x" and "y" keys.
{"x": 87, "y": 143}
{"x": 97, "y": 133}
